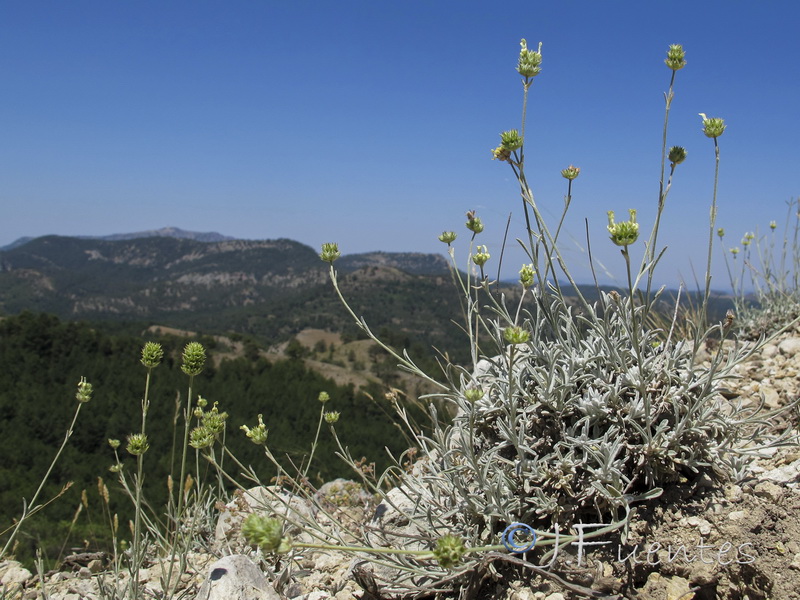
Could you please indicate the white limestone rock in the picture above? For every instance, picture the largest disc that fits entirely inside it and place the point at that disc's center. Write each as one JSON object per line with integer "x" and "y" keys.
{"x": 236, "y": 577}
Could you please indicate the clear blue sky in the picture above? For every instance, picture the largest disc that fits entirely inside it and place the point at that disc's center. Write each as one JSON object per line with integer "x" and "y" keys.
{"x": 371, "y": 123}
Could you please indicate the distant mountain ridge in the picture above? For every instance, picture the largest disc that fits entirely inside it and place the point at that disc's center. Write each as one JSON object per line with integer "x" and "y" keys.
{"x": 267, "y": 288}
{"x": 173, "y": 232}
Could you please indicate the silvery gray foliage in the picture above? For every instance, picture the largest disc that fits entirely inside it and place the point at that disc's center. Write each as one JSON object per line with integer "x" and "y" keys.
{"x": 592, "y": 414}
{"x": 772, "y": 313}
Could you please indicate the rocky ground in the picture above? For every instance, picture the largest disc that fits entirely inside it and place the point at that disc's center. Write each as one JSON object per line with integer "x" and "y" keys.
{"x": 699, "y": 541}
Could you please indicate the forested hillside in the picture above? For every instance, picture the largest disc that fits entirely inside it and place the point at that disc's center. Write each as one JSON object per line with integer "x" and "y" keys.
{"x": 42, "y": 359}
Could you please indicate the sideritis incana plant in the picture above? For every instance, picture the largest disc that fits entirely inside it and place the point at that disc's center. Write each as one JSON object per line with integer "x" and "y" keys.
{"x": 571, "y": 410}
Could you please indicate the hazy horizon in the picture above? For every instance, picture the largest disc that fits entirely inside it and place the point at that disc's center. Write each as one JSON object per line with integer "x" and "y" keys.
{"x": 371, "y": 124}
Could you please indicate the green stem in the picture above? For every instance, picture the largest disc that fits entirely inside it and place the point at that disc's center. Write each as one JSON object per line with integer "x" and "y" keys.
{"x": 179, "y": 510}
{"x": 137, "y": 526}
{"x": 712, "y": 222}
{"x": 650, "y": 251}
{"x": 406, "y": 362}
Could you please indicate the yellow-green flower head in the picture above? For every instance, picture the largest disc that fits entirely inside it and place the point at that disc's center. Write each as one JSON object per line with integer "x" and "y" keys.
{"x": 323, "y": 397}
{"x": 330, "y": 252}
{"x": 474, "y": 394}
{"x": 721, "y": 233}
{"x": 213, "y": 420}
{"x": 201, "y": 437}
{"x": 501, "y": 153}
{"x": 138, "y": 444}
{"x": 449, "y": 551}
{"x": 750, "y": 235}
{"x": 448, "y": 237}
{"x": 113, "y": 443}
{"x": 266, "y": 533}
{"x": 626, "y": 232}
{"x": 529, "y": 64}
{"x": 258, "y": 434}
{"x": 734, "y": 251}
{"x": 481, "y": 256}
{"x": 745, "y": 241}
{"x": 773, "y": 225}
{"x": 474, "y": 223}
{"x": 194, "y": 358}
{"x": 675, "y": 57}
{"x": 714, "y": 127}
{"x": 84, "y": 393}
{"x": 511, "y": 140}
{"x": 332, "y": 417}
{"x": 526, "y": 274}
{"x": 516, "y": 335}
{"x": 677, "y": 154}
{"x": 152, "y": 353}
{"x": 571, "y": 172}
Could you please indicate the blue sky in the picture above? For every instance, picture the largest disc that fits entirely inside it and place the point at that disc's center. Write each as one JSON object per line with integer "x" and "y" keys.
{"x": 371, "y": 123}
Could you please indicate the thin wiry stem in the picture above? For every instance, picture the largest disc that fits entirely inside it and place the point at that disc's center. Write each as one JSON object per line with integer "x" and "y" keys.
{"x": 650, "y": 251}
{"x": 28, "y": 510}
{"x": 712, "y": 222}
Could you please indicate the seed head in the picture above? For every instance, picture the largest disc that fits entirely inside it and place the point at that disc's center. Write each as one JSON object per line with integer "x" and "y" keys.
{"x": 474, "y": 394}
{"x": 481, "y": 256}
{"x": 330, "y": 252}
{"x": 448, "y": 237}
{"x": 152, "y": 353}
{"x": 266, "y": 533}
{"x": 323, "y": 397}
{"x": 526, "y": 274}
{"x": 529, "y": 60}
{"x": 258, "y": 434}
{"x": 113, "y": 443}
{"x": 773, "y": 225}
{"x": 734, "y": 251}
{"x": 571, "y": 172}
{"x": 201, "y": 437}
{"x": 721, "y": 233}
{"x": 84, "y": 391}
{"x": 474, "y": 223}
{"x": 332, "y": 417}
{"x": 677, "y": 154}
{"x": 675, "y": 57}
{"x": 138, "y": 444}
{"x": 194, "y": 358}
{"x": 510, "y": 140}
{"x": 714, "y": 127}
{"x": 626, "y": 232}
{"x": 516, "y": 335}
{"x": 213, "y": 420}
{"x": 449, "y": 551}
